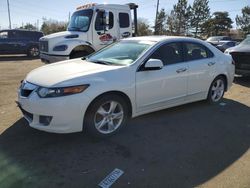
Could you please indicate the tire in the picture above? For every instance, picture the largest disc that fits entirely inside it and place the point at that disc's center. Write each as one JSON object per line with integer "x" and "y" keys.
{"x": 33, "y": 51}
{"x": 78, "y": 54}
{"x": 216, "y": 90}
{"x": 106, "y": 116}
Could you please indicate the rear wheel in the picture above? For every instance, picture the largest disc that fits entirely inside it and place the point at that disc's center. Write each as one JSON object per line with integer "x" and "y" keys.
{"x": 217, "y": 90}
{"x": 33, "y": 51}
{"x": 106, "y": 116}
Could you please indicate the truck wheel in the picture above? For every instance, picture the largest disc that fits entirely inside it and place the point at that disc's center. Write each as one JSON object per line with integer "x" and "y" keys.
{"x": 33, "y": 51}
{"x": 78, "y": 54}
{"x": 106, "y": 116}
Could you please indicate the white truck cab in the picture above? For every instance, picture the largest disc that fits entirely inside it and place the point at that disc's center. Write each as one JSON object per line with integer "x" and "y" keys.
{"x": 91, "y": 27}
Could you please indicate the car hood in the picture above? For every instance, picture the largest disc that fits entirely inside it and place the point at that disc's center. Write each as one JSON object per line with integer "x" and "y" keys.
{"x": 59, "y": 35}
{"x": 240, "y": 48}
{"x": 66, "y": 72}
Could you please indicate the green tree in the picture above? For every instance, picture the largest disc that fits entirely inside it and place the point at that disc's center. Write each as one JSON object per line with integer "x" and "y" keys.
{"x": 244, "y": 21}
{"x": 143, "y": 27}
{"x": 160, "y": 23}
{"x": 219, "y": 24}
{"x": 53, "y": 26}
{"x": 200, "y": 14}
{"x": 178, "y": 21}
{"x": 28, "y": 26}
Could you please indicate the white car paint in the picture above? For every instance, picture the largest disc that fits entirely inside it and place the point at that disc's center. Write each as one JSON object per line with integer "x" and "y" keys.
{"x": 147, "y": 91}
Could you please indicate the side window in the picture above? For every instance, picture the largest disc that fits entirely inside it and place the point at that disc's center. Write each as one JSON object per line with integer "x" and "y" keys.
{"x": 13, "y": 34}
{"x": 99, "y": 21}
{"x": 4, "y": 35}
{"x": 168, "y": 53}
{"x": 196, "y": 51}
{"x": 124, "y": 20}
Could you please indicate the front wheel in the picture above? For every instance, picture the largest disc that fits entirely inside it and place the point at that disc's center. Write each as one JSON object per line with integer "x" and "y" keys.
{"x": 33, "y": 51}
{"x": 106, "y": 116}
{"x": 217, "y": 90}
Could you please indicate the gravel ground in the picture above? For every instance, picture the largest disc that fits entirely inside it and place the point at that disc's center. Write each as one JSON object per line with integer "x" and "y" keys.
{"x": 194, "y": 145}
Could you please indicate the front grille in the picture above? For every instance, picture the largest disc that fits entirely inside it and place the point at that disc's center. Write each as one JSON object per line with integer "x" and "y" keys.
{"x": 44, "y": 46}
{"x": 242, "y": 60}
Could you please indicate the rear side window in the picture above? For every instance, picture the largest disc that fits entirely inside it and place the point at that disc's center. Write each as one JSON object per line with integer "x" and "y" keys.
{"x": 99, "y": 21}
{"x": 194, "y": 51}
{"x": 168, "y": 53}
{"x": 124, "y": 20}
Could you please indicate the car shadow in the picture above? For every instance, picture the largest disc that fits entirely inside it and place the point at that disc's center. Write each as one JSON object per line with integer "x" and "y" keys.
{"x": 244, "y": 81}
{"x": 16, "y": 58}
{"x": 178, "y": 147}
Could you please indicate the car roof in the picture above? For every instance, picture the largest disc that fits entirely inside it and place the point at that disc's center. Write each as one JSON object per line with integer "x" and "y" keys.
{"x": 164, "y": 38}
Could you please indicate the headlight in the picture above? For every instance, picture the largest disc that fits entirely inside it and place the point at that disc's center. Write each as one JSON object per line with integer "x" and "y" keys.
{"x": 60, "y": 48}
{"x": 226, "y": 52}
{"x": 44, "y": 92}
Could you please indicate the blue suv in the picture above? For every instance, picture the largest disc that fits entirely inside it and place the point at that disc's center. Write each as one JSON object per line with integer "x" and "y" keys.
{"x": 18, "y": 41}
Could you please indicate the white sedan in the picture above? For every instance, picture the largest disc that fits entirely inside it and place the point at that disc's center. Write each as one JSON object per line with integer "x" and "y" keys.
{"x": 132, "y": 77}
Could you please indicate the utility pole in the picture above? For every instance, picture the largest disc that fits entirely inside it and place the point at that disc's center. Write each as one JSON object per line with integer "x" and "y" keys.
{"x": 37, "y": 25}
{"x": 69, "y": 17}
{"x": 157, "y": 7}
{"x": 9, "y": 14}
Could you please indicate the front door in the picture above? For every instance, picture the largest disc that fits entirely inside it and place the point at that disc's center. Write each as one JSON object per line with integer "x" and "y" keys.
{"x": 167, "y": 86}
{"x": 103, "y": 38}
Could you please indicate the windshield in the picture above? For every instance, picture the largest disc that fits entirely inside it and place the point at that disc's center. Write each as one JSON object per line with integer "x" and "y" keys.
{"x": 80, "y": 20}
{"x": 121, "y": 53}
{"x": 246, "y": 41}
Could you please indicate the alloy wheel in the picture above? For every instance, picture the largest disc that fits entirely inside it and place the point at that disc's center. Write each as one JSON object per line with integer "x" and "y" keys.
{"x": 109, "y": 117}
{"x": 218, "y": 88}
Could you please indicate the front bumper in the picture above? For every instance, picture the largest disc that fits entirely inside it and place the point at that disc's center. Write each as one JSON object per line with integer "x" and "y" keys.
{"x": 46, "y": 58}
{"x": 67, "y": 112}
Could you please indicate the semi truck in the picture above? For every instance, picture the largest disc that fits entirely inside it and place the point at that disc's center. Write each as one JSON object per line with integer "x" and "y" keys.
{"x": 91, "y": 27}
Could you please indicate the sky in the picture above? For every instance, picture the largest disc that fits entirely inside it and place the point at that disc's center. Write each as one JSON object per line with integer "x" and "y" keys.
{"x": 32, "y": 11}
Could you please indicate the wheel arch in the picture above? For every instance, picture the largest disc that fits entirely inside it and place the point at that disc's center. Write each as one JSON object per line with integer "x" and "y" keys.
{"x": 224, "y": 76}
{"x": 114, "y": 92}
{"x": 81, "y": 48}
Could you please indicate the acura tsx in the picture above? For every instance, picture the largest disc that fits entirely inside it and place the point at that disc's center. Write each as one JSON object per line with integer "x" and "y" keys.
{"x": 139, "y": 75}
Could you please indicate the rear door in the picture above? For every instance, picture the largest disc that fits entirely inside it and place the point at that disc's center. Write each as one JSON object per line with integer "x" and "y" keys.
{"x": 202, "y": 67}
{"x": 125, "y": 24}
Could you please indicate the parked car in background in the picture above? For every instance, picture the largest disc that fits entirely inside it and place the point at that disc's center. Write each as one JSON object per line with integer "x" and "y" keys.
{"x": 224, "y": 44}
{"x": 241, "y": 56}
{"x": 19, "y": 41}
{"x": 214, "y": 40}
{"x": 126, "y": 79}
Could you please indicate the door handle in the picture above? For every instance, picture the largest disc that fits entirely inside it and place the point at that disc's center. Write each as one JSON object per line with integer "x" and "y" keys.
{"x": 181, "y": 70}
{"x": 211, "y": 64}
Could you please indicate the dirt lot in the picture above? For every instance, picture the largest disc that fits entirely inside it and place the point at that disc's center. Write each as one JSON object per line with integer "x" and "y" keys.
{"x": 195, "y": 145}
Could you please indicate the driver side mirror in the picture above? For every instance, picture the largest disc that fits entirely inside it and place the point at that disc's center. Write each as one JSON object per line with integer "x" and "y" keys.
{"x": 153, "y": 64}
